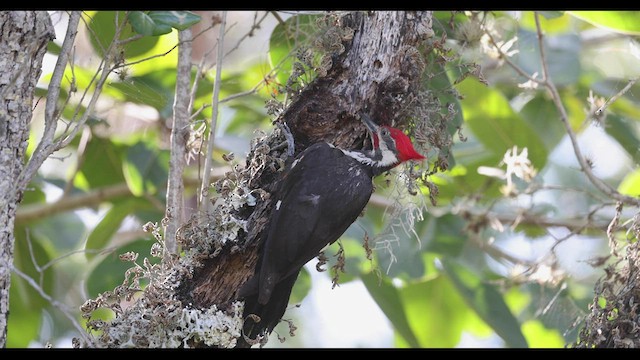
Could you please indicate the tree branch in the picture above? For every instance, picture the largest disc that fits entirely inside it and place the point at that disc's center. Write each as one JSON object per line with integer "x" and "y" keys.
{"x": 31, "y": 212}
{"x": 174, "y": 215}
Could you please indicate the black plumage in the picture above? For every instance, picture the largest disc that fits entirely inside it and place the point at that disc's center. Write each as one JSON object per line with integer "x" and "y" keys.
{"x": 323, "y": 192}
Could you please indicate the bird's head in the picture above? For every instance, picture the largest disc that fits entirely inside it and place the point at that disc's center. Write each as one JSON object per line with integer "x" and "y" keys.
{"x": 390, "y": 145}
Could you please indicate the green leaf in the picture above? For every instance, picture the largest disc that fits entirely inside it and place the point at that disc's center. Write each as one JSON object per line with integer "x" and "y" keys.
{"x": 102, "y": 30}
{"x": 487, "y": 302}
{"x": 436, "y": 312}
{"x": 626, "y": 135}
{"x": 109, "y": 225}
{"x": 621, "y": 21}
{"x": 145, "y": 24}
{"x": 33, "y": 194}
{"x": 496, "y": 125}
{"x": 287, "y": 37}
{"x": 102, "y": 165}
{"x": 551, "y": 14}
{"x": 53, "y": 48}
{"x": 24, "y": 321}
{"x": 110, "y": 272}
{"x": 388, "y": 299}
{"x": 143, "y": 169}
{"x": 630, "y": 185}
{"x": 62, "y": 231}
{"x": 444, "y": 235}
{"x": 542, "y": 115}
{"x": 301, "y": 288}
{"x": 180, "y": 20}
{"x": 539, "y": 336}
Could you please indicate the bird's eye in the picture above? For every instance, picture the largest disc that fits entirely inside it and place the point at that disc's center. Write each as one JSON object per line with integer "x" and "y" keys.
{"x": 384, "y": 132}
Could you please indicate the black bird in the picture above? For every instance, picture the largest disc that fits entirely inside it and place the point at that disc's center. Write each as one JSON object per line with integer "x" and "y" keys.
{"x": 323, "y": 192}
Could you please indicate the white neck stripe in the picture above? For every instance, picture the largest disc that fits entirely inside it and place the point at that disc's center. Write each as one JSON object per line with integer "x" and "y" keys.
{"x": 388, "y": 158}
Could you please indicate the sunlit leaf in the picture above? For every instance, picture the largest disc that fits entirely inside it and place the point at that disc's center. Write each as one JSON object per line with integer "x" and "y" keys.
{"x": 388, "y": 299}
{"x": 487, "y": 302}
{"x": 630, "y": 185}
{"x": 622, "y": 21}
{"x": 496, "y": 125}
{"x": 538, "y": 336}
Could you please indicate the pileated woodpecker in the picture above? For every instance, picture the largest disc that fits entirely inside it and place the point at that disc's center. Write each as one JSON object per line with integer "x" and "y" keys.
{"x": 323, "y": 192}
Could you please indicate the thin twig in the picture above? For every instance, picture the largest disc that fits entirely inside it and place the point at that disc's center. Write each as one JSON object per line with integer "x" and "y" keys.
{"x": 254, "y": 26}
{"x": 66, "y": 311}
{"x": 498, "y": 253}
{"x": 615, "y": 97}
{"x": 555, "y": 96}
{"x": 162, "y": 54}
{"x": 513, "y": 65}
{"x": 214, "y": 117}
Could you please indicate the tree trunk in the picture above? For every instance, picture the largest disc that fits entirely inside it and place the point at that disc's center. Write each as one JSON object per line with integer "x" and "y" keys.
{"x": 23, "y": 42}
{"x": 378, "y": 72}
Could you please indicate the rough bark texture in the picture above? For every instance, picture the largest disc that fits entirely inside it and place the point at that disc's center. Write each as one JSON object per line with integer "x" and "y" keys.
{"x": 379, "y": 67}
{"x": 23, "y": 40}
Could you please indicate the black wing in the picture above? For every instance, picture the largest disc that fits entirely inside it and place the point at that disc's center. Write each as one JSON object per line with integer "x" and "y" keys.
{"x": 322, "y": 194}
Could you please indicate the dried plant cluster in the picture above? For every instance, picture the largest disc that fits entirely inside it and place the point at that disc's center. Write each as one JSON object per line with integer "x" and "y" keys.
{"x": 155, "y": 316}
{"x": 614, "y": 318}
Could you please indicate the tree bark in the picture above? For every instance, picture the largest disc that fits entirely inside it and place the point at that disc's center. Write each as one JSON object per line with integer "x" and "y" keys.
{"x": 23, "y": 40}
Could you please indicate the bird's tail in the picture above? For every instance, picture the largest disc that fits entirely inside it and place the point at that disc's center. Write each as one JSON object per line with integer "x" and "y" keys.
{"x": 269, "y": 313}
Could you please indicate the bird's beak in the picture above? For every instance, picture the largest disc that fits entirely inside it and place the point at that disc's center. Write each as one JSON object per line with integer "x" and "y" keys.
{"x": 368, "y": 122}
